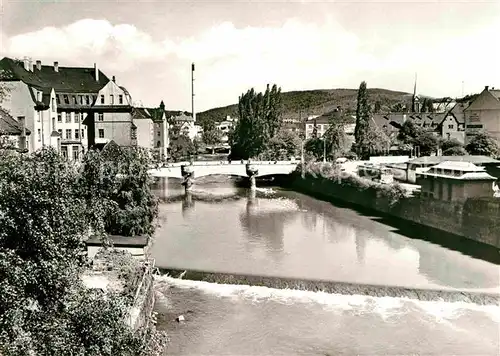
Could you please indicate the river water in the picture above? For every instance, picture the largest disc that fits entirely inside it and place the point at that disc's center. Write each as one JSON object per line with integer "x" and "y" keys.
{"x": 227, "y": 230}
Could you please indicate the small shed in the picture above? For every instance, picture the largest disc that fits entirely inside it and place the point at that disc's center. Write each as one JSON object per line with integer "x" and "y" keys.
{"x": 455, "y": 181}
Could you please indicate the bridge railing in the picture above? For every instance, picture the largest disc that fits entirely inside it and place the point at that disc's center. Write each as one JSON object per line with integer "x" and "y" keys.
{"x": 220, "y": 163}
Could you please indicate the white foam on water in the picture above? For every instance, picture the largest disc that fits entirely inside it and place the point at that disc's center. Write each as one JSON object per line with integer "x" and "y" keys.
{"x": 386, "y": 307}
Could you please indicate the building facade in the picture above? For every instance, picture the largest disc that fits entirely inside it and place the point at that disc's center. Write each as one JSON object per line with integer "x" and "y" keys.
{"x": 483, "y": 115}
{"x": 455, "y": 181}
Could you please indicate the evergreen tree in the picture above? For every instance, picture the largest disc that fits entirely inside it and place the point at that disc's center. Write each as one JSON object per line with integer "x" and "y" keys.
{"x": 362, "y": 121}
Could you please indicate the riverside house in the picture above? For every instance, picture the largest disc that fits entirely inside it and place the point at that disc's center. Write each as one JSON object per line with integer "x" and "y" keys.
{"x": 455, "y": 181}
{"x": 483, "y": 115}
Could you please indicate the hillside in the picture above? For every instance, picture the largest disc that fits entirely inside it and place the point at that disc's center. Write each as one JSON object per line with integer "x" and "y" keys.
{"x": 315, "y": 102}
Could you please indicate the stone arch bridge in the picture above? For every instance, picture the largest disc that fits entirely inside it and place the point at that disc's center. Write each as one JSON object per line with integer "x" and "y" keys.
{"x": 190, "y": 171}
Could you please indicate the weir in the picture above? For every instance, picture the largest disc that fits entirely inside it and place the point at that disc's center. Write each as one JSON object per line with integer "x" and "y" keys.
{"x": 335, "y": 287}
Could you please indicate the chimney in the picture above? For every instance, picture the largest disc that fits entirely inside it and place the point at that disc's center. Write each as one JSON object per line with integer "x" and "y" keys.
{"x": 114, "y": 79}
{"x": 96, "y": 71}
{"x": 39, "y": 65}
{"x": 486, "y": 87}
{"x": 30, "y": 64}
{"x": 56, "y": 66}
{"x": 26, "y": 63}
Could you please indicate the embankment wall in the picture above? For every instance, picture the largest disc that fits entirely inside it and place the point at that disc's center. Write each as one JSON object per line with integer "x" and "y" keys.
{"x": 475, "y": 219}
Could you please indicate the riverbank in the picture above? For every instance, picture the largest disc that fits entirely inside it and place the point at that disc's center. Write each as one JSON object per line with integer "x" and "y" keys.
{"x": 476, "y": 219}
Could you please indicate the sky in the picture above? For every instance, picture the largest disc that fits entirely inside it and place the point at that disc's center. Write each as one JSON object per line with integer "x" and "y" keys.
{"x": 149, "y": 46}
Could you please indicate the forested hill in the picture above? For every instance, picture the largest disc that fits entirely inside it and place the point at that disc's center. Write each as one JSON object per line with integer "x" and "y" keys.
{"x": 315, "y": 102}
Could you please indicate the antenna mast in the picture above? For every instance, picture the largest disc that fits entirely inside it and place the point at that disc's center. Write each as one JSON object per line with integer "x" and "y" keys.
{"x": 192, "y": 92}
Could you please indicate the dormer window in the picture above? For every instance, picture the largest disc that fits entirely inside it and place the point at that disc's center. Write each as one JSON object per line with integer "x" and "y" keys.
{"x": 87, "y": 100}
{"x": 102, "y": 99}
{"x": 112, "y": 99}
{"x": 38, "y": 96}
{"x": 66, "y": 99}
{"x": 120, "y": 99}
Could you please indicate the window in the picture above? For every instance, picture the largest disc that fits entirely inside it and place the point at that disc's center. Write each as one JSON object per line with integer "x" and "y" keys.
{"x": 87, "y": 100}
{"x": 53, "y": 105}
{"x": 81, "y": 99}
{"x": 39, "y": 116}
{"x": 101, "y": 133}
{"x": 60, "y": 132}
{"x": 75, "y": 101}
{"x": 476, "y": 126}
{"x": 58, "y": 100}
{"x": 120, "y": 99}
{"x": 448, "y": 135}
{"x": 451, "y": 126}
{"x": 53, "y": 123}
{"x": 159, "y": 133}
{"x": 64, "y": 151}
{"x": 100, "y": 116}
{"x": 111, "y": 97}
{"x": 76, "y": 152}
{"x": 83, "y": 133}
{"x": 39, "y": 135}
{"x": 59, "y": 117}
{"x": 77, "y": 134}
{"x": 38, "y": 96}
{"x": 68, "y": 117}
{"x": 66, "y": 99}
{"x": 102, "y": 99}
{"x": 68, "y": 134}
{"x": 77, "y": 117}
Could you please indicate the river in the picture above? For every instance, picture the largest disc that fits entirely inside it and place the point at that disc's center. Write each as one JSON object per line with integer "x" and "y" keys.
{"x": 227, "y": 230}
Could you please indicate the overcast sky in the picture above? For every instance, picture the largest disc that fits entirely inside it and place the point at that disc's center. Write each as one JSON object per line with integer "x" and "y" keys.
{"x": 149, "y": 45}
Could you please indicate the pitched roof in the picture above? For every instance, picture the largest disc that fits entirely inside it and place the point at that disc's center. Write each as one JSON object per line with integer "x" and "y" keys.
{"x": 65, "y": 80}
{"x": 458, "y": 170}
{"x": 495, "y": 93}
{"x": 8, "y": 125}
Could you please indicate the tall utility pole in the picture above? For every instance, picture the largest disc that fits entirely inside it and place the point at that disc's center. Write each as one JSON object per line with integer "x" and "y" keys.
{"x": 192, "y": 92}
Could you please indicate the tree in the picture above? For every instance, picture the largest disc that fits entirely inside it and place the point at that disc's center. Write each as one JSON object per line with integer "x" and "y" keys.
{"x": 260, "y": 119}
{"x": 44, "y": 307}
{"x": 408, "y": 132}
{"x": 362, "y": 121}
{"x": 455, "y": 151}
{"x": 212, "y": 138}
{"x": 181, "y": 148}
{"x": 377, "y": 107}
{"x": 284, "y": 145}
{"x": 483, "y": 144}
{"x": 427, "y": 143}
{"x": 335, "y": 137}
{"x": 449, "y": 144}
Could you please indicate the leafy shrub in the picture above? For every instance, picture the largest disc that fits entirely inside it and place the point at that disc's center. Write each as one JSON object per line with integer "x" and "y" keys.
{"x": 373, "y": 190}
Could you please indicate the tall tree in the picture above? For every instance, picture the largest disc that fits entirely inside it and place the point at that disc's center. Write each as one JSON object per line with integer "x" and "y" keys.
{"x": 362, "y": 121}
{"x": 260, "y": 119}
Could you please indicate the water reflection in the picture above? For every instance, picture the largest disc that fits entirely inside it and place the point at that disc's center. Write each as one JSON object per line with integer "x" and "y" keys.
{"x": 187, "y": 203}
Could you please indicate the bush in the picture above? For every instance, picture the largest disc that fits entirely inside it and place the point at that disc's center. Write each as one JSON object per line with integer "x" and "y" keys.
{"x": 391, "y": 193}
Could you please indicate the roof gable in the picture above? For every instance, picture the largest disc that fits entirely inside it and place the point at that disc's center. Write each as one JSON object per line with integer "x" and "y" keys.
{"x": 485, "y": 101}
{"x": 8, "y": 125}
{"x": 66, "y": 79}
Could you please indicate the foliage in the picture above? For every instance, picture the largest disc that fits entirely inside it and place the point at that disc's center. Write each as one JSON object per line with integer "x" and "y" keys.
{"x": 44, "y": 307}
{"x": 427, "y": 143}
{"x": 181, "y": 148}
{"x": 116, "y": 182}
{"x": 392, "y": 193}
{"x": 260, "y": 119}
{"x": 212, "y": 137}
{"x": 450, "y": 143}
{"x": 455, "y": 151}
{"x": 284, "y": 145}
{"x": 334, "y": 138}
{"x": 483, "y": 144}
{"x": 314, "y": 147}
{"x": 362, "y": 145}
{"x": 409, "y": 132}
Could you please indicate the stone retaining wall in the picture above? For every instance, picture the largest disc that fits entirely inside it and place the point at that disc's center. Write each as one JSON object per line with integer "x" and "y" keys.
{"x": 476, "y": 219}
